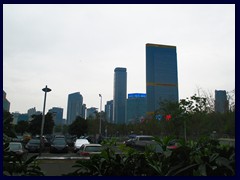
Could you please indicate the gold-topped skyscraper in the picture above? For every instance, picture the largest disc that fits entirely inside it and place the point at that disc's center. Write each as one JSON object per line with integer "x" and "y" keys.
{"x": 161, "y": 75}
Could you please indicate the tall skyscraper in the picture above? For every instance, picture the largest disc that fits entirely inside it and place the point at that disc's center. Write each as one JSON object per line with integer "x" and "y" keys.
{"x": 119, "y": 95}
{"x": 74, "y": 108}
{"x": 161, "y": 75}
{"x": 221, "y": 102}
{"x": 57, "y": 114}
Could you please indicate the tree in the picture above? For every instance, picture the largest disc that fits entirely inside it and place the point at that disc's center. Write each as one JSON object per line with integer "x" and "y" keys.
{"x": 21, "y": 127}
{"x": 64, "y": 129}
{"x": 8, "y": 124}
{"x": 36, "y": 123}
{"x": 58, "y": 128}
{"x": 231, "y": 100}
{"x": 79, "y": 127}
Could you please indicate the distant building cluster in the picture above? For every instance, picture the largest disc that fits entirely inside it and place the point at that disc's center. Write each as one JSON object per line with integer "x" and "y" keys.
{"x": 161, "y": 85}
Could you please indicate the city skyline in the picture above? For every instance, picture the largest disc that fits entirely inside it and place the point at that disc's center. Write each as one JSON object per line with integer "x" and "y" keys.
{"x": 75, "y": 48}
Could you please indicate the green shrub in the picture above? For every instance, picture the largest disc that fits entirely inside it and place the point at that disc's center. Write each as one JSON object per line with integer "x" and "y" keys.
{"x": 204, "y": 157}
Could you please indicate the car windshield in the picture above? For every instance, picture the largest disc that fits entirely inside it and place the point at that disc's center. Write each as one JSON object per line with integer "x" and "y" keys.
{"x": 146, "y": 138}
{"x": 15, "y": 146}
{"x": 93, "y": 148}
{"x": 34, "y": 141}
{"x": 59, "y": 142}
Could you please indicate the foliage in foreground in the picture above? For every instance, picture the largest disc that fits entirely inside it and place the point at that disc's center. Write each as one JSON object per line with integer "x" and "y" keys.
{"x": 205, "y": 157}
{"x": 15, "y": 166}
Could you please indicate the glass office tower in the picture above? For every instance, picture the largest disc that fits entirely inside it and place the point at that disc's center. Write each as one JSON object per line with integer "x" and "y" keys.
{"x": 57, "y": 114}
{"x": 74, "y": 108}
{"x": 109, "y": 111}
{"x": 119, "y": 95}
{"x": 161, "y": 75}
{"x": 136, "y": 107}
{"x": 221, "y": 102}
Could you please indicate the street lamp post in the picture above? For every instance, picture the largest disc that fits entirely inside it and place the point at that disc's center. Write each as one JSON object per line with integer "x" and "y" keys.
{"x": 46, "y": 89}
{"x": 100, "y": 114}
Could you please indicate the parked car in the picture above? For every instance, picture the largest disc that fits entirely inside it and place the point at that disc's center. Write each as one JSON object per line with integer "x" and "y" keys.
{"x": 18, "y": 149}
{"x": 45, "y": 141}
{"x": 90, "y": 149}
{"x": 18, "y": 139}
{"x": 139, "y": 140}
{"x": 130, "y": 140}
{"x": 59, "y": 145}
{"x": 59, "y": 136}
{"x": 172, "y": 145}
{"x": 34, "y": 145}
{"x": 78, "y": 143}
{"x": 142, "y": 142}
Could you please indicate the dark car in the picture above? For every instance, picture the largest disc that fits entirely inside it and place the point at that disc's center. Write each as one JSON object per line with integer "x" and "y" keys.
{"x": 34, "y": 145}
{"x": 17, "y": 149}
{"x": 45, "y": 141}
{"x": 59, "y": 145}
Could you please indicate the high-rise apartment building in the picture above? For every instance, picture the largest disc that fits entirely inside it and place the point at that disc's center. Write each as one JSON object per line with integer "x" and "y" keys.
{"x": 136, "y": 107}
{"x": 161, "y": 75}
{"x": 119, "y": 95}
{"x": 74, "y": 107}
{"x": 221, "y": 102}
{"x": 57, "y": 114}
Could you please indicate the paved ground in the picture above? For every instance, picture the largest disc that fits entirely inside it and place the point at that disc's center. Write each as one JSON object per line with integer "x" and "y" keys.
{"x": 56, "y": 167}
{"x": 56, "y": 164}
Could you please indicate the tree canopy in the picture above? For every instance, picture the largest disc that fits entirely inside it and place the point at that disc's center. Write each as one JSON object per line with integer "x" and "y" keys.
{"x": 36, "y": 123}
{"x": 79, "y": 127}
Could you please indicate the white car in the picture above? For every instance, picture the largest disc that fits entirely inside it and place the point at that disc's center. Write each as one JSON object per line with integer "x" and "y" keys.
{"x": 78, "y": 143}
{"x": 87, "y": 150}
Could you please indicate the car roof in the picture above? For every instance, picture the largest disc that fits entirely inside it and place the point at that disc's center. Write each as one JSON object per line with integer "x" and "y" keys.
{"x": 144, "y": 136}
{"x": 15, "y": 143}
{"x": 92, "y": 145}
{"x": 81, "y": 140}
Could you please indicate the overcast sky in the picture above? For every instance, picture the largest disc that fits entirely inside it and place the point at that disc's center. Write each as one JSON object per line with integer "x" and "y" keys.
{"x": 75, "y": 48}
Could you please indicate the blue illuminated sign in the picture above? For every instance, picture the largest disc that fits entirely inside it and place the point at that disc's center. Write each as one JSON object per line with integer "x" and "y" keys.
{"x": 136, "y": 95}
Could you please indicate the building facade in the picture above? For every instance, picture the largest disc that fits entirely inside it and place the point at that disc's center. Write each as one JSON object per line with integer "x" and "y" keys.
{"x": 31, "y": 112}
{"x": 74, "y": 107}
{"x": 136, "y": 107}
{"x": 119, "y": 95}
{"x": 57, "y": 114}
{"x": 84, "y": 109}
{"x": 161, "y": 75}
{"x": 91, "y": 112}
{"x": 221, "y": 102}
{"x": 109, "y": 111}
{"x": 6, "y": 103}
